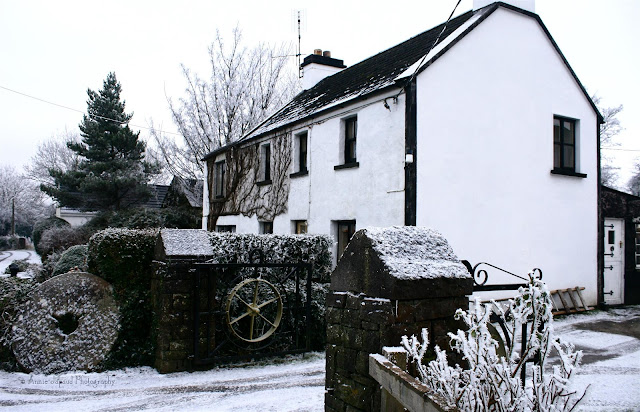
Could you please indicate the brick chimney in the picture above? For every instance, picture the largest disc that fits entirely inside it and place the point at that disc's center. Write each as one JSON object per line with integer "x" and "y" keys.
{"x": 317, "y": 66}
{"x": 528, "y": 5}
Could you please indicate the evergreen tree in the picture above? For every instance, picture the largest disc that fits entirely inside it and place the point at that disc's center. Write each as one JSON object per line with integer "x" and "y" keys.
{"x": 112, "y": 173}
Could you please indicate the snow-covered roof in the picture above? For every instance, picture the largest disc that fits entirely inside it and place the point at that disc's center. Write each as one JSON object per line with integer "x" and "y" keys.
{"x": 387, "y": 70}
{"x": 186, "y": 242}
{"x": 412, "y": 252}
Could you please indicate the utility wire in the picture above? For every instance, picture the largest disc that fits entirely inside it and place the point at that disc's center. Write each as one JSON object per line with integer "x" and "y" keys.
{"x": 620, "y": 150}
{"x": 415, "y": 72}
{"x": 80, "y": 111}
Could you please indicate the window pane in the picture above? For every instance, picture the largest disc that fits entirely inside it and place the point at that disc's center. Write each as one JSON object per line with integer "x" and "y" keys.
{"x": 612, "y": 237}
{"x": 568, "y": 161}
{"x": 556, "y": 156}
{"x": 568, "y": 131}
{"x": 556, "y": 130}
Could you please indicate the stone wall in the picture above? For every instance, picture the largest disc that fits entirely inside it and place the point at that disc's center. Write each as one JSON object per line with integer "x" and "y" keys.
{"x": 373, "y": 305}
{"x": 172, "y": 291}
{"x": 358, "y": 325}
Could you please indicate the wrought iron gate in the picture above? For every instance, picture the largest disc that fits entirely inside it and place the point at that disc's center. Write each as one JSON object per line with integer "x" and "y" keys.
{"x": 255, "y": 309}
{"x": 480, "y": 278}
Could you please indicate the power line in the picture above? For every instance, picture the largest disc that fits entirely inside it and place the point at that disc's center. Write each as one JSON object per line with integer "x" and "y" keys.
{"x": 80, "y": 111}
{"x": 620, "y": 150}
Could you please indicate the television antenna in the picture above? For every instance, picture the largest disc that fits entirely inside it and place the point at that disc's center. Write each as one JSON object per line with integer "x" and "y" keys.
{"x": 299, "y": 17}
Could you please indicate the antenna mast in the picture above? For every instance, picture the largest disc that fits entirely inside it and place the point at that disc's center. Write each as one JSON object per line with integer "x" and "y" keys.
{"x": 299, "y": 53}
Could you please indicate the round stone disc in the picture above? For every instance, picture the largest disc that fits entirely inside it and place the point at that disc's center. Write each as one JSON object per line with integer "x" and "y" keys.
{"x": 70, "y": 322}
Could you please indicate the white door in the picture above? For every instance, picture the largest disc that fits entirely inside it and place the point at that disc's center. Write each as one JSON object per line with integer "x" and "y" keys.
{"x": 613, "y": 261}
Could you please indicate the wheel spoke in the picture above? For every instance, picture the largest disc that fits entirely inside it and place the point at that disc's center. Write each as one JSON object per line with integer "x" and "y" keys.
{"x": 266, "y": 320}
{"x": 255, "y": 293}
{"x": 263, "y": 304}
{"x": 242, "y": 300}
{"x": 244, "y": 315}
{"x": 253, "y": 318}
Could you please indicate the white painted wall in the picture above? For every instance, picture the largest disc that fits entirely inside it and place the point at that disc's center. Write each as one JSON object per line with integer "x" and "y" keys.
{"x": 372, "y": 194}
{"x": 74, "y": 217}
{"x": 485, "y": 151}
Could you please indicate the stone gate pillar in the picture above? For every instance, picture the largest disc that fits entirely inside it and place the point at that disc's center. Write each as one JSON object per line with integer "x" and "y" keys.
{"x": 389, "y": 282}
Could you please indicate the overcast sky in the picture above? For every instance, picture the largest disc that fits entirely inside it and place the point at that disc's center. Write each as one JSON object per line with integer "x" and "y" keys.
{"x": 55, "y": 50}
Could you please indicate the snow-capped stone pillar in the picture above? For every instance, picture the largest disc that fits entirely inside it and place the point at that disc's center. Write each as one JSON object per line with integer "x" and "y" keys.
{"x": 389, "y": 282}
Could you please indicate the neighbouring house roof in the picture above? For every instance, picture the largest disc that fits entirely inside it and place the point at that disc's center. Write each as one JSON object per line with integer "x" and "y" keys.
{"x": 158, "y": 193}
{"x": 391, "y": 68}
{"x": 191, "y": 189}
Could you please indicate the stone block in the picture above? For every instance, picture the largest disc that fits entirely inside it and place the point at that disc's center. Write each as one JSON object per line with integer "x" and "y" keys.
{"x": 354, "y": 302}
{"x": 336, "y": 299}
{"x": 334, "y": 334}
{"x": 362, "y": 363}
{"x": 333, "y": 315}
{"x": 355, "y": 394}
{"x": 333, "y": 404}
{"x": 370, "y": 326}
{"x": 345, "y": 359}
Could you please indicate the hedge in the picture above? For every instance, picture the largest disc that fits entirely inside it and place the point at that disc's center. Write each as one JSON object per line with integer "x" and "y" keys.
{"x": 123, "y": 258}
{"x": 74, "y": 257}
{"x": 41, "y": 226}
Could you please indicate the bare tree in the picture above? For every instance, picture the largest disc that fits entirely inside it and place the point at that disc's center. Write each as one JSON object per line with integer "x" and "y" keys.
{"x": 609, "y": 129}
{"x": 245, "y": 86}
{"x": 20, "y": 201}
{"x": 53, "y": 154}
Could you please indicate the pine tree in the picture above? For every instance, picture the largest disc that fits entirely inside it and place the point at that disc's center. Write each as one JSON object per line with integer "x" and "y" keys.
{"x": 112, "y": 173}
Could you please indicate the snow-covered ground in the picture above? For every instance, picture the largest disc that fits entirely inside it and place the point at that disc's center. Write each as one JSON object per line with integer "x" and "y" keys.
{"x": 6, "y": 257}
{"x": 611, "y": 368}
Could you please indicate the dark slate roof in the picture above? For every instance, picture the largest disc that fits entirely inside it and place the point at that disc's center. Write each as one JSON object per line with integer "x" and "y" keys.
{"x": 191, "y": 189}
{"x": 378, "y": 73}
{"x": 158, "y": 193}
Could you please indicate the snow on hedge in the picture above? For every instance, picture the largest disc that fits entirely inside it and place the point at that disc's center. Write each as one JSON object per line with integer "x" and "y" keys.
{"x": 412, "y": 252}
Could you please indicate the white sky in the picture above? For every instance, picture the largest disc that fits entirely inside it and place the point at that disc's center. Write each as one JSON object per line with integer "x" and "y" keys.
{"x": 55, "y": 50}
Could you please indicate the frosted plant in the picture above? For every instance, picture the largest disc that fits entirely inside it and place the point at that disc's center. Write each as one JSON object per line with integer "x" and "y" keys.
{"x": 492, "y": 380}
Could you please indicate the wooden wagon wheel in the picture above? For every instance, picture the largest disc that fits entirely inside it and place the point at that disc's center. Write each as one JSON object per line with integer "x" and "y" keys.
{"x": 250, "y": 310}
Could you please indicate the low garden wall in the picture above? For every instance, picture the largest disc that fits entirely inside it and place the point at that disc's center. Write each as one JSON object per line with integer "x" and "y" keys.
{"x": 389, "y": 283}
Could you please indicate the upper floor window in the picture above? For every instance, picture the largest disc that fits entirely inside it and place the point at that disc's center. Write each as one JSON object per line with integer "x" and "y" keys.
{"x": 218, "y": 176}
{"x": 564, "y": 144}
{"x": 302, "y": 152}
{"x": 350, "y": 136}
{"x": 265, "y": 162}
{"x": 349, "y": 139}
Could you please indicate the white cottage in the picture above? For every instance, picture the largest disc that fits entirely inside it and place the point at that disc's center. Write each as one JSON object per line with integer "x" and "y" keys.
{"x": 488, "y": 137}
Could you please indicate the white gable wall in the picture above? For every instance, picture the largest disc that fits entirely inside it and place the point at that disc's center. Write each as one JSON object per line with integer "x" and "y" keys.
{"x": 485, "y": 151}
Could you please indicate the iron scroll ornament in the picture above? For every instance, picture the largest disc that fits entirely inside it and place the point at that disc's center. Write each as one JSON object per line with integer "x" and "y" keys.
{"x": 481, "y": 276}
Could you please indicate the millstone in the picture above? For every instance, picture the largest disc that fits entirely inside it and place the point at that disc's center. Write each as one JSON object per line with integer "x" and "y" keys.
{"x": 70, "y": 322}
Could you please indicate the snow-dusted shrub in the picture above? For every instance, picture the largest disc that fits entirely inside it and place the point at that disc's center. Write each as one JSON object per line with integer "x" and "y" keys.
{"x": 491, "y": 382}
{"x": 74, "y": 257}
{"x": 123, "y": 258}
{"x": 60, "y": 238}
{"x": 316, "y": 249}
{"x": 13, "y": 292}
{"x": 41, "y": 226}
{"x": 8, "y": 242}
